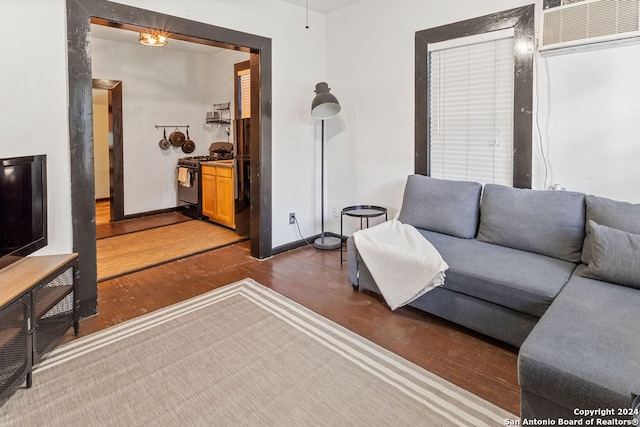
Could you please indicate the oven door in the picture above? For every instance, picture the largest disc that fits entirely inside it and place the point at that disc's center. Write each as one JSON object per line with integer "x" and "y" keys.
{"x": 188, "y": 180}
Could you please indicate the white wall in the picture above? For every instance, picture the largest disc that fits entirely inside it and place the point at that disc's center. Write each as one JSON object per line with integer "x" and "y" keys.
{"x": 161, "y": 86}
{"x": 589, "y": 115}
{"x": 365, "y": 53}
{"x": 589, "y": 105}
{"x": 298, "y": 64}
{"x": 33, "y": 112}
{"x": 35, "y": 76}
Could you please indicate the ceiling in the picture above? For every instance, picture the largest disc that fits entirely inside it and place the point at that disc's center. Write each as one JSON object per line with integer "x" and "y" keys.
{"x": 324, "y": 6}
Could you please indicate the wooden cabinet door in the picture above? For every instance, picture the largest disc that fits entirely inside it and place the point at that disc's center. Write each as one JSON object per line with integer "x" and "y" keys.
{"x": 225, "y": 211}
{"x": 209, "y": 192}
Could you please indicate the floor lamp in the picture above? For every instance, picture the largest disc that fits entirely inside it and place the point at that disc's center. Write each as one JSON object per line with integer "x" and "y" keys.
{"x": 324, "y": 106}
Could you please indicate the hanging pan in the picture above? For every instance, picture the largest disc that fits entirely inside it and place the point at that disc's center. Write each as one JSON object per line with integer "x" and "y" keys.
{"x": 164, "y": 142}
{"x": 177, "y": 138}
{"x": 188, "y": 145}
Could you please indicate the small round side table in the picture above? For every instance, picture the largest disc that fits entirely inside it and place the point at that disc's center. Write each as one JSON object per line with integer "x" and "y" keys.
{"x": 364, "y": 212}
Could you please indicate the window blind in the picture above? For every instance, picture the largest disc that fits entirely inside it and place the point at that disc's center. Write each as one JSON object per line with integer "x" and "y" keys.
{"x": 471, "y": 112}
{"x": 244, "y": 95}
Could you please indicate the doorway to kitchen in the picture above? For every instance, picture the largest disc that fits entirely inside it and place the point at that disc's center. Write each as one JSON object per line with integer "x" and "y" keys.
{"x": 80, "y": 14}
{"x": 157, "y": 104}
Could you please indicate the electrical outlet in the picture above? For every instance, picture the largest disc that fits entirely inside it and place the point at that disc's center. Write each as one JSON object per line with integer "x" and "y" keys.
{"x": 336, "y": 212}
{"x": 292, "y": 218}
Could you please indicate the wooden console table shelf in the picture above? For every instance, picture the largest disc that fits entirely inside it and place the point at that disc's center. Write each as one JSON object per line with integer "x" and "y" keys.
{"x": 38, "y": 304}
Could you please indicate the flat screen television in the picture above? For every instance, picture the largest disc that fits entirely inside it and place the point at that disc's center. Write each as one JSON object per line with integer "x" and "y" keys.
{"x": 23, "y": 207}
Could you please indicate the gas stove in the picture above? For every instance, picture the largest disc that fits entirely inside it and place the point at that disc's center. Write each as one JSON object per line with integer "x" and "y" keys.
{"x": 193, "y": 161}
{"x": 217, "y": 151}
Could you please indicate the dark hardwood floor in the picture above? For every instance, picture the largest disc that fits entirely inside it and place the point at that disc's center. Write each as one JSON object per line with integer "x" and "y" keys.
{"x": 316, "y": 280}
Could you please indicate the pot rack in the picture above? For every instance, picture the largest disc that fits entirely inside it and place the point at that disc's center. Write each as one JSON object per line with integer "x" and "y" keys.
{"x": 171, "y": 126}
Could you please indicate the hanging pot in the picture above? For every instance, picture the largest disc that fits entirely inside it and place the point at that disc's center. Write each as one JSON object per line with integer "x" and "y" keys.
{"x": 177, "y": 138}
{"x": 164, "y": 142}
{"x": 188, "y": 145}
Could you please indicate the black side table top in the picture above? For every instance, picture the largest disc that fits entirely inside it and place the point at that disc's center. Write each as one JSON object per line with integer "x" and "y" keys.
{"x": 364, "y": 211}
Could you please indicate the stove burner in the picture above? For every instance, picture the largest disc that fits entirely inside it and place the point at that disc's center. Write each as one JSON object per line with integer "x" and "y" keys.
{"x": 194, "y": 161}
{"x": 199, "y": 158}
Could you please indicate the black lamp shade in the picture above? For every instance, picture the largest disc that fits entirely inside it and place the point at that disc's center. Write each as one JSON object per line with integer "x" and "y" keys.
{"x": 324, "y": 105}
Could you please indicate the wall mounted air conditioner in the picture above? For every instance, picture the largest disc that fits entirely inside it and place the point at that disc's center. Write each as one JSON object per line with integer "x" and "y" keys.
{"x": 588, "y": 23}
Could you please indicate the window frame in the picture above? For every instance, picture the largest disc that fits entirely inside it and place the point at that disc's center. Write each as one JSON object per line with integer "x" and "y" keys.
{"x": 522, "y": 21}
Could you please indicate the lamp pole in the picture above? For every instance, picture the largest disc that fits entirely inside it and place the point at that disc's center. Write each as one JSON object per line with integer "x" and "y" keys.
{"x": 323, "y": 242}
{"x": 324, "y": 106}
{"x": 322, "y": 182}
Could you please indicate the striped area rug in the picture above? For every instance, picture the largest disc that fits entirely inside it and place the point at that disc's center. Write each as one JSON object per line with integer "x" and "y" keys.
{"x": 239, "y": 355}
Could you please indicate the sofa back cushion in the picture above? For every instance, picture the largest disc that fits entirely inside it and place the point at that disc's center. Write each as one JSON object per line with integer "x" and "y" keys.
{"x": 610, "y": 213}
{"x": 550, "y": 223}
{"x": 449, "y": 207}
{"x": 615, "y": 256}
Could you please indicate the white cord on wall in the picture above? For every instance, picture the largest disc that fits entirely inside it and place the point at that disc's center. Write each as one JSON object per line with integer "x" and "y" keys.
{"x": 545, "y": 162}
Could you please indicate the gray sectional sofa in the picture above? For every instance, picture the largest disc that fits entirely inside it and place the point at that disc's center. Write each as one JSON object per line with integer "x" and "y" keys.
{"x": 555, "y": 273}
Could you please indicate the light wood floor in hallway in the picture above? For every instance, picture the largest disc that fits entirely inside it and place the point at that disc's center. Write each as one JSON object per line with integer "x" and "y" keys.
{"x": 316, "y": 280}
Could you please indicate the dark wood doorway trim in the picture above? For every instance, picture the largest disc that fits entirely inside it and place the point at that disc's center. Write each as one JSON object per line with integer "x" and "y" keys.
{"x": 116, "y": 148}
{"x": 80, "y": 15}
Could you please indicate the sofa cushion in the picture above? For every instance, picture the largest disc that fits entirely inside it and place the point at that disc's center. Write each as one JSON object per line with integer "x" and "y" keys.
{"x": 519, "y": 280}
{"x": 583, "y": 353}
{"x": 615, "y": 256}
{"x": 545, "y": 222}
{"x": 610, "y": 213}
{"x": 449, "y": 207}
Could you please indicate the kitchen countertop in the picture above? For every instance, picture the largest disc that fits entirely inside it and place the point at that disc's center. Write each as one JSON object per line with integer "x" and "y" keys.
{"x": 218, "y": 163}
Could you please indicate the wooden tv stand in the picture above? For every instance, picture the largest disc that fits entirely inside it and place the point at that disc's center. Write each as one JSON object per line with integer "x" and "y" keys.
{"x": 38, "y": 304}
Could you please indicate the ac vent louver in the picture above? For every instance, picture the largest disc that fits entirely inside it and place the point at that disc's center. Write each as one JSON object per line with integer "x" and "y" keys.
{"x": 590, "y": 21}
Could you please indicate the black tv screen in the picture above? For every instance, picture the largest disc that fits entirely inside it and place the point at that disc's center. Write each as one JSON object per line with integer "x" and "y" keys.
{"x": 23, "y": 207}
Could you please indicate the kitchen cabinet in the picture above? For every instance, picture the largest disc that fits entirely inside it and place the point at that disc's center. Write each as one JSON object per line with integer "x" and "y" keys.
{"x": 208, "y": 183}
{"x": 38, "y": 303}
{"x": 218, "y": 192}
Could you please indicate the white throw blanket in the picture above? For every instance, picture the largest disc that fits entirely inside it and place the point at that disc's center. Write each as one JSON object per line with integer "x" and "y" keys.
{"x": 403, "y": 263}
